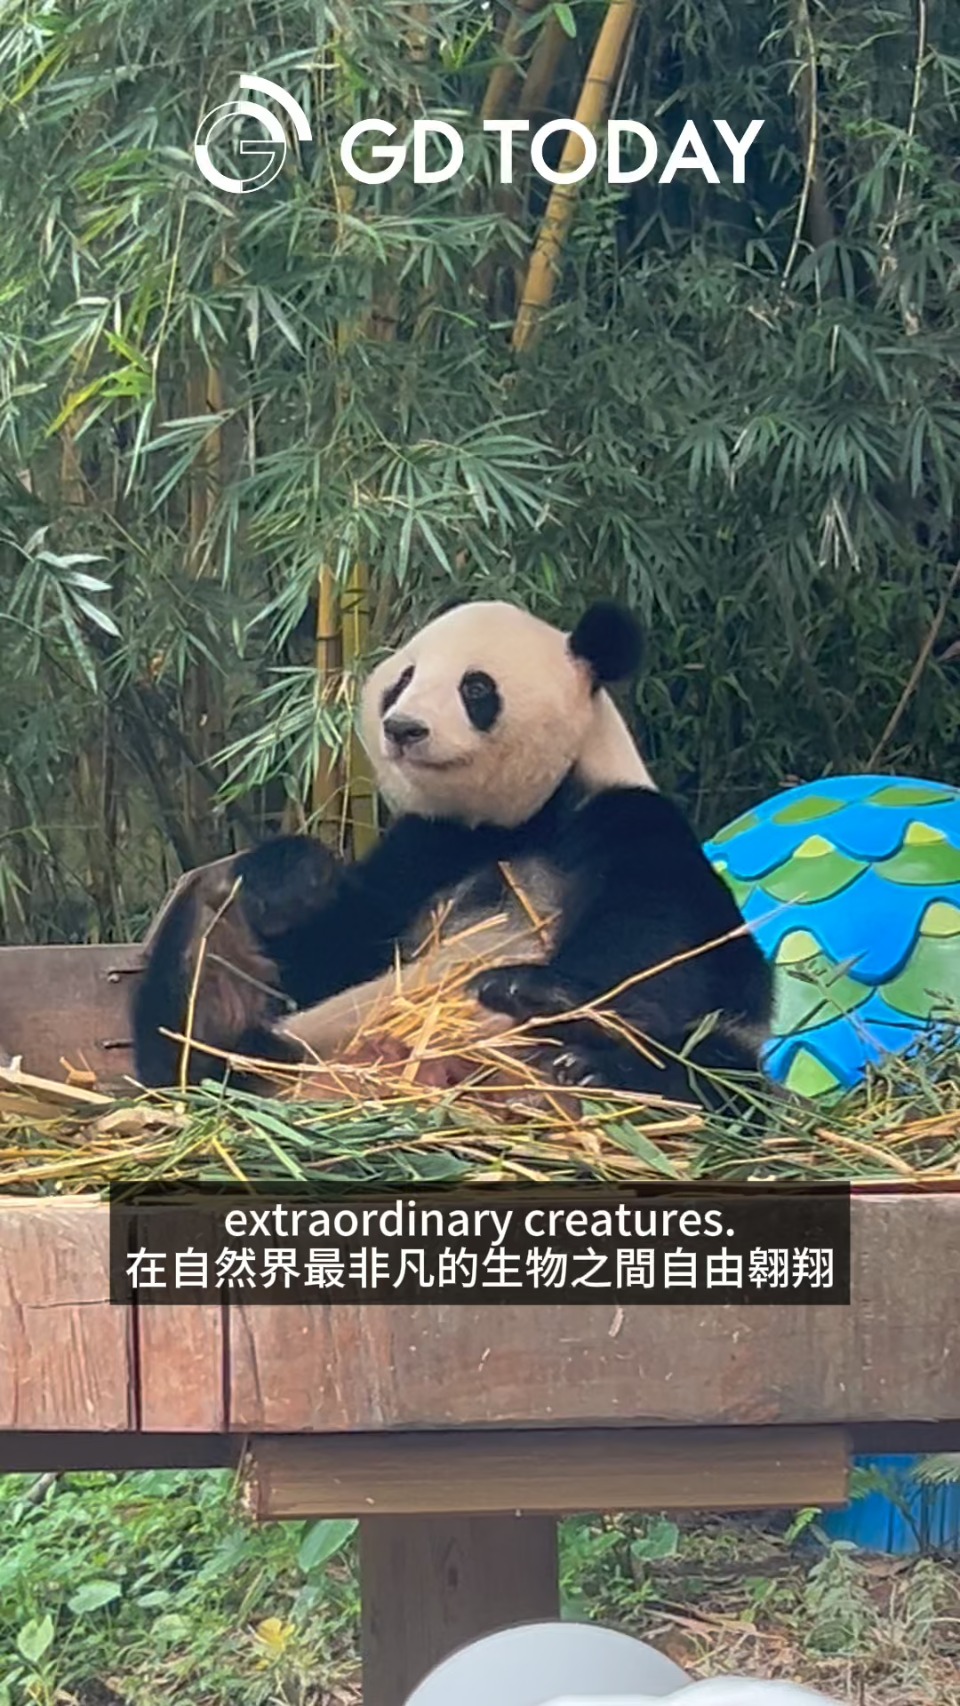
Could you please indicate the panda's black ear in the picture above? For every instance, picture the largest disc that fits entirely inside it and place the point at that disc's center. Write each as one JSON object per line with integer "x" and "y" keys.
{"x": 610, "y": 640}
{"x": 448, "y": 604}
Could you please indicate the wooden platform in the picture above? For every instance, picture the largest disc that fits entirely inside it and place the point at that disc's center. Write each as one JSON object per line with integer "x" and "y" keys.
{"x": 71, "y": 1361}
{"x": 437, "y": 1424}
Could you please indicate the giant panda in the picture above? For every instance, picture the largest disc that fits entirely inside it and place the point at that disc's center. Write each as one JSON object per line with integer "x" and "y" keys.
{"x": 493, "y": 742}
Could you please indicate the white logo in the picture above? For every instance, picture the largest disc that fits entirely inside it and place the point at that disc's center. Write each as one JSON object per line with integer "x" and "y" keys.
{"x": 690, "y": 153}
{"x": 273, "y": 151}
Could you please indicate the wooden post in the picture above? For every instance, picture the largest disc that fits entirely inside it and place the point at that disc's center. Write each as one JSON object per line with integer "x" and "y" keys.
{"x": 431, "y": 1584}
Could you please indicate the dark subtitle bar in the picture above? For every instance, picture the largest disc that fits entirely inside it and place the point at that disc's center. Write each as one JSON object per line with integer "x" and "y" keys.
{"x": 649, "y": 1244}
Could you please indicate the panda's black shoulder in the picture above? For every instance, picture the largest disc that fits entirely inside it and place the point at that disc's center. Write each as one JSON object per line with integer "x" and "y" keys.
{"x": 625, "y": 809}
{"x": 627, "y": 835}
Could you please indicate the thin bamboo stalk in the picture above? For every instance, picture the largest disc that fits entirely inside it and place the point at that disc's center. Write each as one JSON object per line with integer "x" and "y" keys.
{"x": 534, "y": 95}
{"x": 202, "y": 705}
{"x": 417, "y": 32}
{"x": 361, "y": 793}
{"x": 542, "y": 69}
{"x": 327, "y": 788}
{"x": 325, "y": 791}
{"x": 353, "y": 800}
{"x": 504, "y": 76}
{"x": 591, "y": 107}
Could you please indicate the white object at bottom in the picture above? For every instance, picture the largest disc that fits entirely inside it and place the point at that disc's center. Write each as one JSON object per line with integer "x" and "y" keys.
{"x": 584, "y": 1664}
{"x": 719, "y": 1691}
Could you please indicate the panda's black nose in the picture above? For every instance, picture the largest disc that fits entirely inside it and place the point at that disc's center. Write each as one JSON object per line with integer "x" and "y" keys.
{"x": 405, "y": 731}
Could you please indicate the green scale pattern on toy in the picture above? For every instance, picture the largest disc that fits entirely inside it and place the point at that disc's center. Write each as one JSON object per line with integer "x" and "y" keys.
{"x": 852, "y": 887}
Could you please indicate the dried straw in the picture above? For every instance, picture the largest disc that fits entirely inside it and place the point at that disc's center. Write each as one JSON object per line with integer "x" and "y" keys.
{"x": 387, "y": 1112}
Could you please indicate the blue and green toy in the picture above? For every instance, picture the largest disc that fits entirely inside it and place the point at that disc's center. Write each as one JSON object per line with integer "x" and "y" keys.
{"x": 852, "y": 886}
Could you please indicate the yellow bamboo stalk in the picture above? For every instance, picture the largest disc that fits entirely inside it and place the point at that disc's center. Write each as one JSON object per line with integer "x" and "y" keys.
{"x": 327, "y": 777}
{"x": 327, "y": 801}
{"x": 591, "y": 107}
{"x": 361, "y": 793}
{"x": 72, "y": 487}
{"x": 533, "y": 97}
{"x": 344, "y": 797}
{"x": 355, "y": 623}
{"x": 205, "y": 394}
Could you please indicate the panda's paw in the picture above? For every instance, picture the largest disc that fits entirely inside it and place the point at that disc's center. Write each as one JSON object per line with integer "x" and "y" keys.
{"x": 584, "y": 1063}
{"x": 577, "y": 1069}
{"x": 506, "y": 989}
{"x": 522, "y": 992}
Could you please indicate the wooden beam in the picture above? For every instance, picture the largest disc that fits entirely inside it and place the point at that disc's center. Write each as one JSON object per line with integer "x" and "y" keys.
{"x": 541, "y": 1472}
{"x": 430, "y": 1584}
{"x": 33, "y": 1452}
{"x": 892, "y": 1357}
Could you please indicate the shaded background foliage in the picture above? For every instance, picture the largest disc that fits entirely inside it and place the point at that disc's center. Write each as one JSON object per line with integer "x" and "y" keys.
{"x": 742, "y": 412}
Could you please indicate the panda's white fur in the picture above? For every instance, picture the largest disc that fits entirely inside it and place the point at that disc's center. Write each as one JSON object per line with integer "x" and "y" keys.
{"x": 553, "y": 719}
{"x": 540, "y": 681}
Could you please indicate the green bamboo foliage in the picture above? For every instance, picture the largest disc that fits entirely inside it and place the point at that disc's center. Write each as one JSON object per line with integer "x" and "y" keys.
{"x": 741, "y": 411}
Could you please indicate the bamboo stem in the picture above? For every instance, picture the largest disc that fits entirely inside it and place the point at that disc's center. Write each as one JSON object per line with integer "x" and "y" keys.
{"x": 503, "y": 77}
{"x": 813, "y": 212}
{"x": 202, "y": 699}
{"x": 326, "y": 793}
{"x": 591, "y": 107}
{"x": 417, "y": 32}
{"x": 361, "y": 793}
{"x": 327, "y": 778}
{"x": 533, "y": 97}
{"x": 542, "y": 69}
{"x": 344, "y": 797}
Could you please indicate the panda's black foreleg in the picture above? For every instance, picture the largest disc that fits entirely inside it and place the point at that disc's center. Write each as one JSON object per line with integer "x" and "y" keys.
{"x": 651, "y": 934}
{"x": 354, "y": 934}
{"x": 284, "y": 880}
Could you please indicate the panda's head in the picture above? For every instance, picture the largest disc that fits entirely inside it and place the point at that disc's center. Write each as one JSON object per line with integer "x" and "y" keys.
{"x": 486, "y": 710}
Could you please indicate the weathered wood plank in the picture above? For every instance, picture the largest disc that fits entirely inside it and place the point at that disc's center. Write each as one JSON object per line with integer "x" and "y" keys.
{"x": 892, "y": 1356}
{"x": 68, "y": 1002}
{"x": 182, "y": 1378}
{"x": 546, "y": 1472}
{"x": 181, "y": 1349}
{"x": 65, "y": 1351}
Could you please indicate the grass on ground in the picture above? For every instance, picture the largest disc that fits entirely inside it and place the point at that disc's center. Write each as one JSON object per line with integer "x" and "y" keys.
{"x": 141, "y": 1589}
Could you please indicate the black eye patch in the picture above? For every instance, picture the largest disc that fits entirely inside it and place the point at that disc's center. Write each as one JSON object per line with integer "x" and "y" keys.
{"x": 481, "y": 700}
{"x": 393, "y": 693}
